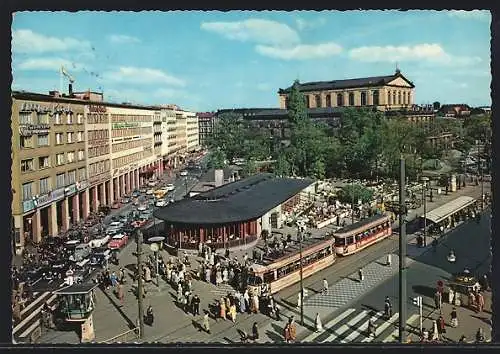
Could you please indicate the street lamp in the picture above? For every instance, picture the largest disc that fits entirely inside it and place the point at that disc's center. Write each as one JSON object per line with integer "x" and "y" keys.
{"x": 155, "y": 248}
{"x": 186, "y": 185}
{"x": 139, "y": 284}
{"x": 300, "y": 229}
{"x": 424, "y": 200}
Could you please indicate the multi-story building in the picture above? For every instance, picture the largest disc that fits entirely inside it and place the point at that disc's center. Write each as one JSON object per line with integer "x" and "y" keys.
{"x": 181, "y": 133}
{"x": 169, "y": 137}
{"x": 192, "y": 132}
{"x": 206, "y": 122}
{"x": 49, "y": 177}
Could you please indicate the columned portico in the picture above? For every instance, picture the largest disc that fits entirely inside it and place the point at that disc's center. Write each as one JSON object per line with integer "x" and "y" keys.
{"x": 76, "y": 208}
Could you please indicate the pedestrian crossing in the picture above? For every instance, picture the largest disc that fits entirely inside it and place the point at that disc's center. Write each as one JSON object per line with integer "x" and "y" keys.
{"x": 222, "y": 290}
{"x": 351, "y": 326}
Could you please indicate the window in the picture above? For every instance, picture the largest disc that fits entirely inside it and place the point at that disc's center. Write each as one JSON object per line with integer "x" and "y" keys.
{"x": 389, "y": 97}
{"x": 43, "y": 118}
{"x": 328, "y": 100}
{"x": 287, "y": 101}
{"x": 79, "y": 136}
{"x": 79, "y": 118}
{"x": 27, "y": 192}
{"x": 69, "y": 118}
{"x": 60, "y": 180}
{"x": 71, "y": 177}
{"x": 376, "y": 98}
{"x": 70, "y": 137}
{"x": 59, "y": 159}
{"x": 363, "y": 98}
{"x": 71, "y": 156}
{"x": 306, "y": 99}
{"x": 393, "y": 97}
{"x": 59, "y": 138}
{"x": 340, "y": 99}
{"x": 318, "y": 100}
{"x": 399, "y": 97}
{"x": 43, "y": 162}
{"x": 26, "y": 141}
{"x": 27, "y": 165}
{"x": 43, "y": 140}
{"x": 81, "y": 155}
{"x": 44, "y": 185}
{"x": 57, "y": 118}
{"x": 82, "y": 174}
{"x": 25, "y": 118}
{"x": 351, "y": 98}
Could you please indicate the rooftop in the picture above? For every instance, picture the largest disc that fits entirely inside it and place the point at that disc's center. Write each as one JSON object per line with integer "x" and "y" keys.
{"x": 347, "y": 83}
{"x": 242, "y": 200}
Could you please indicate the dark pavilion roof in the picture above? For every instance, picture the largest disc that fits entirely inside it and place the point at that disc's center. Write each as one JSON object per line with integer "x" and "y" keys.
{"x": 347, "y": 83}
{"x": 242, "y": 200}
{"x": 281, "y": 113}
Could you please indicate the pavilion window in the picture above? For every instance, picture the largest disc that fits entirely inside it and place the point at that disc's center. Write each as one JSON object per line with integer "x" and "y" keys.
{"x": 363, "y": 98}
{"x": 308, "y": 103}
{"x": 318, "y": 100}
{"x": 328, "y": 100}
{"x": 340, "y": 99}
{"x": 399, "y": 97}
{"x": 351, "y": 99}
{"x": 376, "y": 98}
{"x": 287, "y": 102}
{"x": 393, "y": 97}
{"x": 389, "y": 97}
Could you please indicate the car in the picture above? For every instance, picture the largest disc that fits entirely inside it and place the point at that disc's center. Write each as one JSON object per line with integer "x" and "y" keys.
{"x": 71, "y": 244}
{"x": 143, "y": 190}
{"x": 161, "y": 203}
{"x": 118, "y": 241}
{"x": 152, "y": 183}
{"x": 139, "y": 223}
{"x": 79, "y": 272}
{"x": 82, "y": 251}
{"x": 170, "y": 187}
{"x": 142, "y": 207}
{"x": 100, "y": 256}
{"x": 99, "y": 241}
{"x": 125, "y": 200}
{"x": 116, "y": 205}
{"x": 184, "y": 173}
{"x": 149, "y": 192}
{"x": 136, "y": 193}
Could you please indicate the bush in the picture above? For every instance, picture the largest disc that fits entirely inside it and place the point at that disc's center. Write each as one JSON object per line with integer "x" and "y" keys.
{"x": 356, "y": 192}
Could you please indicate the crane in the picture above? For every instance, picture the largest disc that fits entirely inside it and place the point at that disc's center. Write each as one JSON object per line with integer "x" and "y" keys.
{"x": 69, "y": 77}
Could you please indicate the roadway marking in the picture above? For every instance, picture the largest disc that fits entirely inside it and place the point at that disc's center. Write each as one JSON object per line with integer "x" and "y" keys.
{"x": 362, "y": 329}
{"x": 380, "y": 329}
{"x": 394, "y": 335}
{"x": 330, "y": 324}
{"x": 346, "y": 327}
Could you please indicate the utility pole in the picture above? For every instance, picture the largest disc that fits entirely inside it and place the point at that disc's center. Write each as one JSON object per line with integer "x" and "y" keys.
{"x": 352, "y": 201}
{"x": 299, "y": 235}
{"x": 424, "y": 199}
{"x": 139, "y": 284}
{"x": 402, "y": 252}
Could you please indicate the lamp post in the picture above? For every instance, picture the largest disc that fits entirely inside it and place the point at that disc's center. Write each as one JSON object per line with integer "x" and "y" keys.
{"x": 352, "y": 201}
{"x": 139, "y": 284}
{"x": 299, "y": 236}
{"x": 155, "y": 248}
{"x": 402, "y": 253}
{"x": 424, "y": 200}
{"x": 186, "y": 185}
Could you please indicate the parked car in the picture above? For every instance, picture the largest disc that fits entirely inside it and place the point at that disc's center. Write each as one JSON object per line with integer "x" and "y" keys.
{"x": 100, "y": 256}
{"x": 161, "y": 203}
{"x": 99, "y": 241}
{"x": 142, "y": 207}
{"x": 82, "y": 251}
{"x": 152, "y": 183}
{"x": 184, "y": 173}
{"x": 170, "y": 187}
{"x": 125, "y": 200}
{"x": 136, "y": 193}
{"x": 118, "y": 241}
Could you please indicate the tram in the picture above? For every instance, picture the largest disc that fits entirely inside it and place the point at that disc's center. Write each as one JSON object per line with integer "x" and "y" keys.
{"x": 353, "y": 238}
{"x": 276, "y": 274}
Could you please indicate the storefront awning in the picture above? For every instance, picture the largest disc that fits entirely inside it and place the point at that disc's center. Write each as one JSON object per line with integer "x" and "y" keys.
{"x": 449, "y": 208}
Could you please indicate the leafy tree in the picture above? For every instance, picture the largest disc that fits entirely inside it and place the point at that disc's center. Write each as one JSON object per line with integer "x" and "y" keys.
{"x": 229, "y": 135}
{"x": 319, "y": 169}
{"x": 282, "y": 166}
{"x": 250, "y": 167}
{"x": 436, "y": 105}
{"x": 297, "y": 110}
{"x": 217, "y": 159}
{"x": 355, "y": 192}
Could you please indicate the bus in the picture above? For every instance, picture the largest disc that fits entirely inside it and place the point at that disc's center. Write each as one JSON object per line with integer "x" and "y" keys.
{"x": 353, "y": 238}
{"x": 275, "y": 274}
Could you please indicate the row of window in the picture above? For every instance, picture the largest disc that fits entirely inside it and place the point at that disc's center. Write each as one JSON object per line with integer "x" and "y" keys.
{"x": 45, "y": 184}
{"x": 99, "y": 167}
{"x": 101, "y": 134}
{"x": 44, "y": 139}
{"x": 96, "y": 151}
{"x": 44, "y": 118}
{"x": 117, "y": 133}
{"x": 97, "y": 118}
{"x": 131, "y": 145}
{"x": 129, "y": 159}
{"x": 343, "y": 241}
{"x": 115, "y": 118}
{"x": 28, "y": 165}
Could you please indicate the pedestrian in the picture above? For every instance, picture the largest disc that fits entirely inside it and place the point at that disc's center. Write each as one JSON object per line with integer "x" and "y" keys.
{"x": 480, "y": 302}
{"x": 371, "y": 328}
{"x": 479, "y": 335}
{"x": 277, "y": 312}
{"x": 317, "y": 323}
{"x": 463, "y": 339}
{"x": 389, "y": 259}
{"x": 121, "y": 293}
{"x": 222, "y": 309}
{"x": 255, "y": 299}
{"x": 451, "y": 294}
{"x": 470, "y": 299}
{"x": 255, "y": 332}
{"x": 435, "y": 331}
{"x": 150, "y": 315}
{"x": 206, "y": 323}
{"x": 286, "y": 333}
{"x": 299, "y": 300}
{"x": 293, "y": 329}
{"x": 196, "y": 305}
{"x": 325, "y": 287}
{"x": 437, "y": 300}
{"x": 441, "y": 327}
{"x": 232, "y": 311}
{"x": 454, "y": 318}
{"x": 361, "y": 275}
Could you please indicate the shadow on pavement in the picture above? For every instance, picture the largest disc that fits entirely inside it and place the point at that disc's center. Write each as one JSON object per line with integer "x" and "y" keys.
{"x": 130, "y": 323}
{"x": 424, "y": 290}
{"x": 483, "y": 319}
{"x": 373, "y": 310}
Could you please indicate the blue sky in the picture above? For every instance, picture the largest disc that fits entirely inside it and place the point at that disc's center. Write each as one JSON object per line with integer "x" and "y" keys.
{"x": 206, "y": 61}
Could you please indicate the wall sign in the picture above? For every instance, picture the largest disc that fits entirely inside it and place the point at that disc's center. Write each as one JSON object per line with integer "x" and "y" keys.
{"x": 48, "y": 198}
{"x": 97, "y": 108}
{"x": 28, "y": 205}
{"x": 32, "y": 129}
{"x": 82, "y": 185}
{"x": 42, "y": 108}
{"x": 99, "y": 178}
{"x": 70, "y": 190}
{"x": 122, "y": 125}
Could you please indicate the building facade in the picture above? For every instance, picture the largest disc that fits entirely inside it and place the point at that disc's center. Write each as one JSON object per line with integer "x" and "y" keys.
{"x": 206, "y": 121}
{"x": 192, "y": 132}
{"x": 49, "y": 176}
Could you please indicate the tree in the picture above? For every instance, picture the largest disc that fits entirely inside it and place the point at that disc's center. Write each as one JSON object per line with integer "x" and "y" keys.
{"x": 217, "y": 159}
{"x": 355, "y": 192}
{"x": 436, "y": 105}
{"x": 282, "y": 167}
{"x": 319, "y": 169}
{"x": 297, "y": 110}
{"x": 229, "y": 135}
{"x": 249, "y": 168}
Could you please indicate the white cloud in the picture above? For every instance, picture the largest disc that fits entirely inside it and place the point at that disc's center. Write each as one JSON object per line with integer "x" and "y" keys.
{"x": 254, "y": 30}
{"x": 433, "y": 53}
{"x": 27, "y": 41}
{"x": 305, "y": 24}
{"x": 142, "y": 76}
{"x": 300, "y": 51}
{"x": 121, "y": 39}
{"x": 48, "y": 64}
{"x": 481, "y": 15}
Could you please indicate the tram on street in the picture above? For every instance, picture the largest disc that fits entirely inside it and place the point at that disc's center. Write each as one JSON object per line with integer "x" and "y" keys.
{"x": 276, "y": 274}
{"x": 355, "y": 237}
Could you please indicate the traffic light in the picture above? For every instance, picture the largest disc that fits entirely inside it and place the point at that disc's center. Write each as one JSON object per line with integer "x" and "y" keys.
{"x": 417, "y": 301}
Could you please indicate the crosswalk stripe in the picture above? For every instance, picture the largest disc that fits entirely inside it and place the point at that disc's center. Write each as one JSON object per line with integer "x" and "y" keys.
{"x": 380, "y": 329}
{"x": 330, "y": 324}
{"x": 345, "y": 328}
{"x": 362, "y": 329}
{"x": 391, "y": 337}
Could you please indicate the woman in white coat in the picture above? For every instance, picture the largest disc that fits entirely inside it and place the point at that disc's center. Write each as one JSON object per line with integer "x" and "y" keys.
{"x": 317, "y": 323}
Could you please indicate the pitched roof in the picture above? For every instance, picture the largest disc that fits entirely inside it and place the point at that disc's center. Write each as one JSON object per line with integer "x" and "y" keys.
{"x": 347, "y": 83}
{"x": 242, "y": 200}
